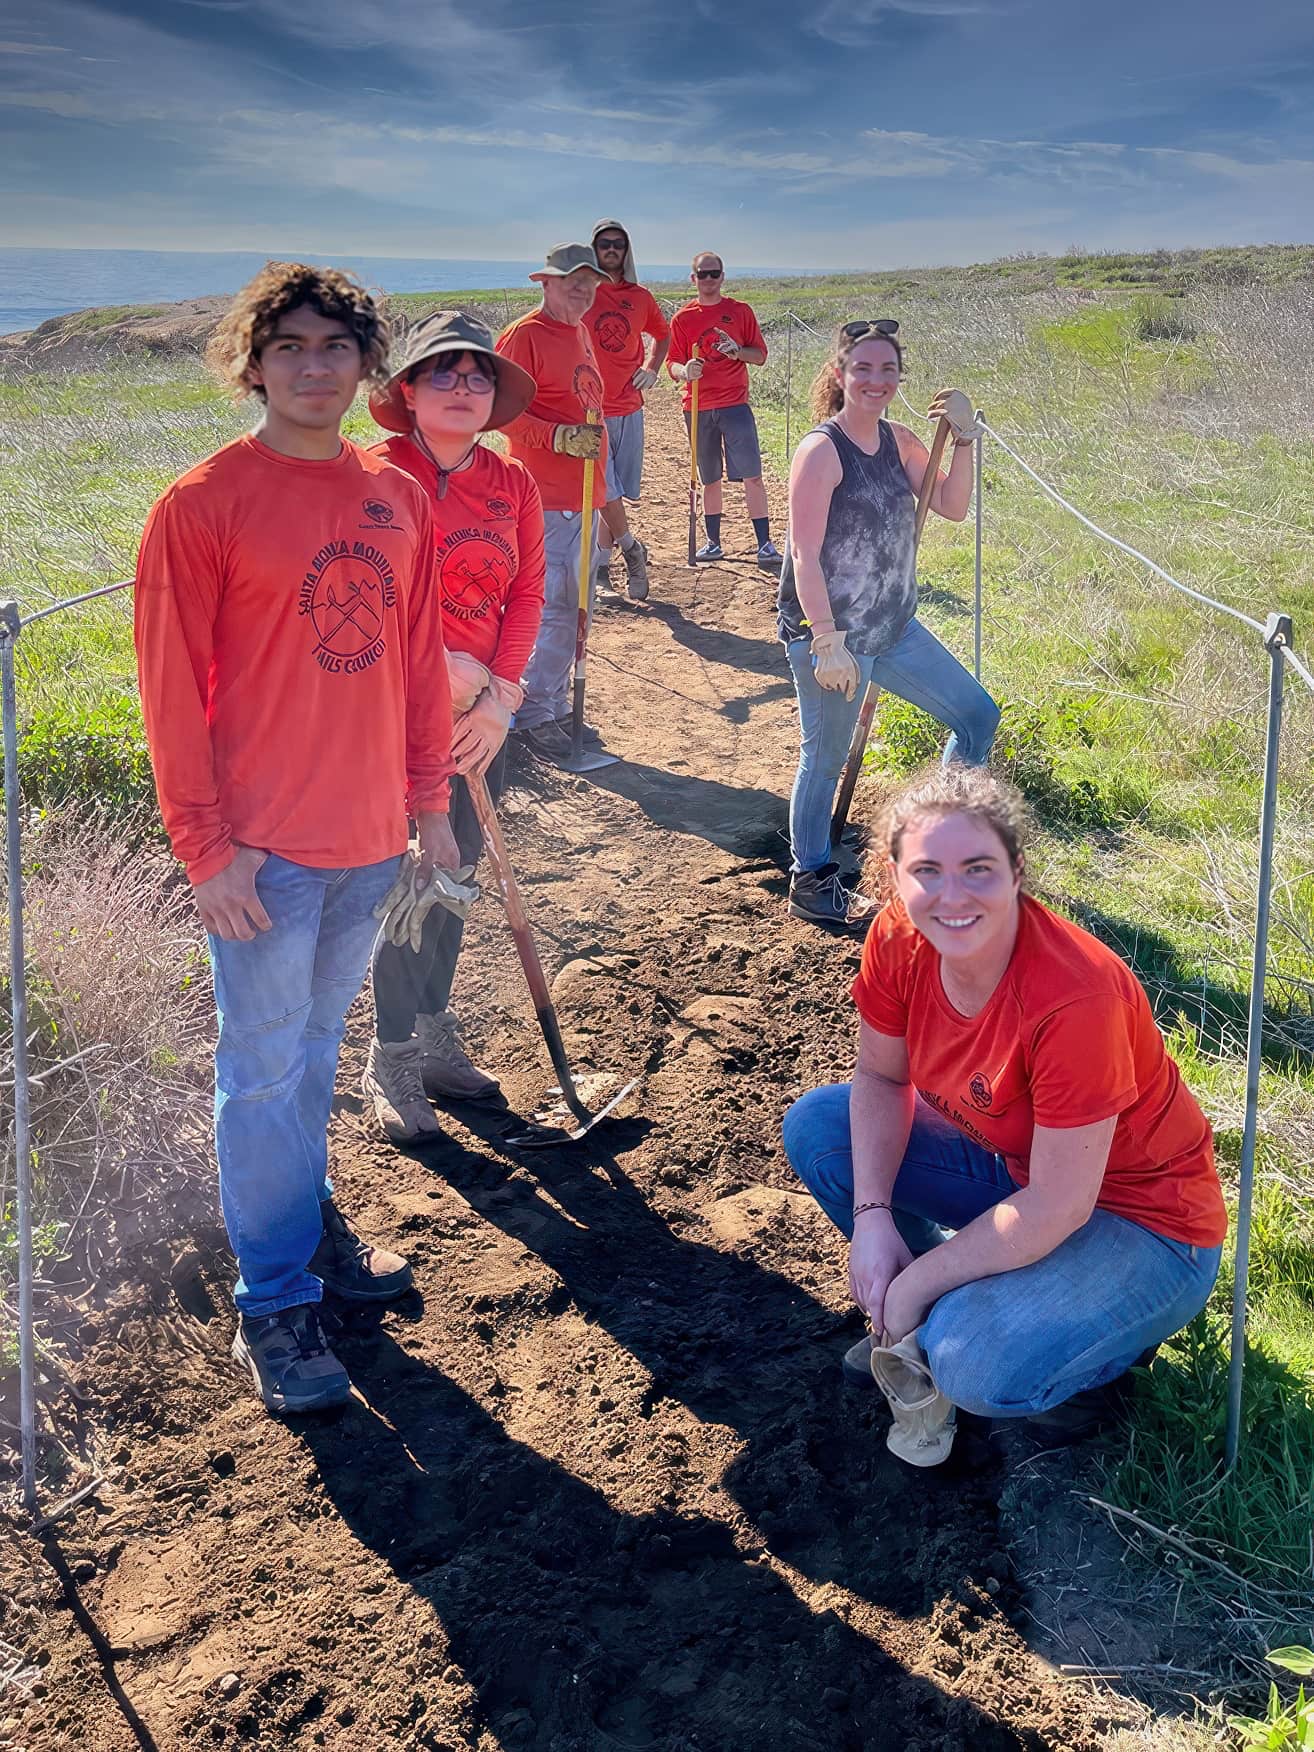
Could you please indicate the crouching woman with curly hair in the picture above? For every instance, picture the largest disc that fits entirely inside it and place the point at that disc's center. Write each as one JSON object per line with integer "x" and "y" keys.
{"x": 1012, "y": 1087}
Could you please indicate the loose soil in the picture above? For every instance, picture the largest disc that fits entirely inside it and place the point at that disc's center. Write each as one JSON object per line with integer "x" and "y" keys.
{"x": 602, "y": 1486}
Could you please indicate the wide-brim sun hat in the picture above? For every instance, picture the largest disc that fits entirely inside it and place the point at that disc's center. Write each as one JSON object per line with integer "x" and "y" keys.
{"x": 450, "y": 331}
{"x": 564, "y": 258}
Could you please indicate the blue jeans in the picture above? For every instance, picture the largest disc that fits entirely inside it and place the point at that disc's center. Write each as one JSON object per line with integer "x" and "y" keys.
{"x": 1024, "y": 1340}
{"x": 547, "y": 677}
{"x": 920, "y": 670}
{"x": 282, "y": 1001}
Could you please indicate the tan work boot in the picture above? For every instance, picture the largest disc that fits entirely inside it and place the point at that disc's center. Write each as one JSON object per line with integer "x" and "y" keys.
{"x": 392, "y": 1082}
{"x": 445, "y": 1068}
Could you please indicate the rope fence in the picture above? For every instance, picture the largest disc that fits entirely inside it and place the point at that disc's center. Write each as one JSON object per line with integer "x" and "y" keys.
{"x": 1274, "y": 632}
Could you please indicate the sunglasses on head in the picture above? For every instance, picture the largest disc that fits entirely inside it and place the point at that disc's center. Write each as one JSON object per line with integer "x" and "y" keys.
{"x": 879, "y": 325}
{"x": 708, "y": 273}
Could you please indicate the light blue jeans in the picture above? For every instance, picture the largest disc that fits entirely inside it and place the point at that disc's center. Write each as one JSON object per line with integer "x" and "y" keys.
{"x": 547, "y": 676}
{"x": 1024, "y": 1340}
{"x": 282, "y": 1001}
{"x": 920, "y": 670}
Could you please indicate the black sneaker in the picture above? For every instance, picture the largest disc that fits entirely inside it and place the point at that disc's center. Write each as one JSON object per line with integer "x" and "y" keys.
{"x": 547, "y": 742}
{"x": 1087, "y": 1412}
{"x": 821, "y": 897}
{"x": 290, "y": 1361}
{"x": 592, "y": 735}
{"x": 351, "y": 1268}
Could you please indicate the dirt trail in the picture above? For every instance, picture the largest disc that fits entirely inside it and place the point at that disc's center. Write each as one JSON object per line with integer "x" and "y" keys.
{"x": 603, "y": 1488}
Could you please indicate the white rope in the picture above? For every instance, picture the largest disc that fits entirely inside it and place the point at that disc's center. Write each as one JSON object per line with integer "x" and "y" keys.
{"x": 804, "y": 325}
{"x": 1294, "y": 662}
{"x": 1122, "y": 546}
{"x": 72, "y": 601}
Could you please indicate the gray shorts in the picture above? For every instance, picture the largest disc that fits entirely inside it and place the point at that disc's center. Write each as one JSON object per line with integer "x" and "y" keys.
{"x": 624, "y": 455}
{"x": 734, "y": 431}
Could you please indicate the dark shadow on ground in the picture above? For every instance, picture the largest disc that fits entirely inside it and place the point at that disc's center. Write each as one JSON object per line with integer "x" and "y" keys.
{"x": 739, "y": 819}
{"x": 718, "y": 645}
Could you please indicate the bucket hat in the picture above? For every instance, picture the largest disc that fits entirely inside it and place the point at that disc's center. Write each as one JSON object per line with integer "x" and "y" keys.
{"x": 564, "y": 258}
{"x": 450, "y": 331}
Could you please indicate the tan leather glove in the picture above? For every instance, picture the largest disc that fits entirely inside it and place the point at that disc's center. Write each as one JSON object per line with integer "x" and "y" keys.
{"x": 693, "y": 369}
{"x": 833, "y": 665}
{"x": 953, "y": 405}
{"x": 409, "y": 901}
{"x": 479, "y": 733}
{"x": 643, "y": 378}
{"x": 726, "y": 346}
{"x": 922, "y": 1432}
{"x": 468, "y": 678}
{"x": 581, "y": 441}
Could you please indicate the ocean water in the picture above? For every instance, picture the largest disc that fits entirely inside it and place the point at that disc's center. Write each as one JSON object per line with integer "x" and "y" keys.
{"x": 36, "y": 284}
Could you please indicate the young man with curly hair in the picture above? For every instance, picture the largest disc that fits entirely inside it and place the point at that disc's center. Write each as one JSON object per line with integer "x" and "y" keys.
{"x": 294, "y": 688}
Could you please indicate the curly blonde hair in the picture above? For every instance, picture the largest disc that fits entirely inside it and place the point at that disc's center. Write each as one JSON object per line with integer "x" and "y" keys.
{"x": 251, "y": 319}
{"x": 935, "y": 791}
{"x": 827, "y": 392}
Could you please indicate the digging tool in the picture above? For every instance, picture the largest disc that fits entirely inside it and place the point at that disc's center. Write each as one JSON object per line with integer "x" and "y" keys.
{"x": 539, "y": 1137}
{"x": 867, "y": 711}
{"x": 693, "y": 469}
{"x": 580, "y": 759}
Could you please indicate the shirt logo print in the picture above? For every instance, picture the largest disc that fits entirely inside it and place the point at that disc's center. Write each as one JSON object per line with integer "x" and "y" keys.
{"x": 345, "y": 594}
{"x": 980, "y": 1091}
{"x": 612, "y": 332}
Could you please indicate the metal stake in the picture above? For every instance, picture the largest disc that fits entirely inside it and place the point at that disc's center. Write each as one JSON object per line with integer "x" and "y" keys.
{"x": 1276, "y": 635}
{"x": 789, "y": 377}
{"x": 10, "y": 625}
{"x": 976, "y": 607}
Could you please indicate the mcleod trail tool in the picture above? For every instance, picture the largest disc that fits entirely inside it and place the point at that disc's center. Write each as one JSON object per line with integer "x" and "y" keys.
{"x": 867, "y": 711}
{"x": 539, "y": 1137}
{"x": 693, "y": 469}
{"x": 581, "y": 760}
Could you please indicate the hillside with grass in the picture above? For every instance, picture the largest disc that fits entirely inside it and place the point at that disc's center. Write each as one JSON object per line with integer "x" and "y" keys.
{"x": 1170, "y": 396}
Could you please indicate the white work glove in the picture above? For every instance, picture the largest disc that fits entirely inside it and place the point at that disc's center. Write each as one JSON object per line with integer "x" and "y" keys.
{"x": 726, "y": 346}
{"x": 478, "y": 733}
{"x": 924, "y": 1420}
{"x": 581, "y": 441}
{"x": 643, "y": 378}
{"x": 953, "y": 405}
{"x": 833, "y": 664}
{"x": 467, "y": 678}
{"x": 412, "y": 897}
{"x": 693, "y": 370}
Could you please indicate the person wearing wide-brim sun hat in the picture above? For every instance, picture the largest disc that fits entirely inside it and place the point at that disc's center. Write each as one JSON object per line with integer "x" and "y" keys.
{"x": 447, "y": 387}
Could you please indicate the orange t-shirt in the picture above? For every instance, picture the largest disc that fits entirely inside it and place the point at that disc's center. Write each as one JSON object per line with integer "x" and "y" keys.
{"x": 618, "y": 319}
{"x": 290, "y": 657}
{"x": 1067, "y": 1038}
{"x": 724, "y": 382}
{"x": 559, "y": 357}
{"x": 489, "y": 529}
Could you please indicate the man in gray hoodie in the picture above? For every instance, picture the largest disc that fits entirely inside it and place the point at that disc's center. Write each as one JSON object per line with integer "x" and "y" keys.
{"x": 630, "y": 337}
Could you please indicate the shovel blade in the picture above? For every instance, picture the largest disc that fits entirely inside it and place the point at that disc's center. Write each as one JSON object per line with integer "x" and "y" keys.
{"x": 591, "y": 761}
{"x": 550, "y": 1137}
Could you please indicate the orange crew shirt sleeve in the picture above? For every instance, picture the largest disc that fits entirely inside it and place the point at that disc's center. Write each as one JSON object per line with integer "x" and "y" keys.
{"x": 489, "y": 566}
{"x": 1067, "y": 1039}
{"x": 695, "y": 327}
{"x": 290, "y": 658}
{"x": 559, "y": 357}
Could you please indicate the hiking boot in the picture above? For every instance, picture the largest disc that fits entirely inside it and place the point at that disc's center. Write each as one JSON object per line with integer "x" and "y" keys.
{"x": 592, "y": 735}
{"x": 394, "y": 1084}
{"x": 636, "y": 571}
{"x": 1089, "y": 1411}
{"x": 445, "y": 1068}
{"x": 351, "y": 1268}
{"x": 710, "y": 550}
{"x": 821, "y": 897}
{"x": 769, "y": 557}
{"x": 548, "y": 741}
{"x": 290, "y": 1361}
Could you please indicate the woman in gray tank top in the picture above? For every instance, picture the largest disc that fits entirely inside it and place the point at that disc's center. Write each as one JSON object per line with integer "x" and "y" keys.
{"x": 848, "y": 593}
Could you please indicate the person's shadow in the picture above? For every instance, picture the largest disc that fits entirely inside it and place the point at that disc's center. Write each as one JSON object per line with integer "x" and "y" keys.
{"x": 583, "y": 1627}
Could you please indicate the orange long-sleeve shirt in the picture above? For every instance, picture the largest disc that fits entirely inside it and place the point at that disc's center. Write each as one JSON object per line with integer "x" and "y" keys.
{"x": 559, "y": 357}
{"x": 290, "y": 658}
{"x": 488, "y": 527}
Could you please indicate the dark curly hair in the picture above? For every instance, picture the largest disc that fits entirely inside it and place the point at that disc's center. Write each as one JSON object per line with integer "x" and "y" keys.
{"x": 827, "y": 392}
{"x": 251, "y": 319}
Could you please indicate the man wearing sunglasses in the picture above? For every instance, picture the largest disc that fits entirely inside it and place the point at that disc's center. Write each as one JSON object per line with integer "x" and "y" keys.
{"x": 714, "y": 339}
{"x": 621, "y": 315}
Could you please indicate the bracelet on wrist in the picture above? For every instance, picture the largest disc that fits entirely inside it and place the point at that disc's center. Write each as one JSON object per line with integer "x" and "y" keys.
{"x": 875, "y": 1204}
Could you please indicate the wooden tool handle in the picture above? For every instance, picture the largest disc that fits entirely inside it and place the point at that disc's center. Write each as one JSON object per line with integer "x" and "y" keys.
{"x": 931, "y": 476}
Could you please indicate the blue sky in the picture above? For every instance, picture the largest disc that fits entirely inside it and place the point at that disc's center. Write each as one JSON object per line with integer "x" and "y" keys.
{"x": 862, "y": 133}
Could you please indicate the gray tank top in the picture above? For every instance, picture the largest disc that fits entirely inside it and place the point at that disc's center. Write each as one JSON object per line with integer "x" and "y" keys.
{"x": 868, "y": 554}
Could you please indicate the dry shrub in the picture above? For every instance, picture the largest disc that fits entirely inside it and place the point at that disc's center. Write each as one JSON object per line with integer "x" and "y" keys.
{"x": 121, "y": 1020}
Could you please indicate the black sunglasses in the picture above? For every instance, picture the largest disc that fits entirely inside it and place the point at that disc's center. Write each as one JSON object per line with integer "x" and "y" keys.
{"x": 708, "y": 273}
{"x": 880, "y": 325}
{"x": 610, "y": 243}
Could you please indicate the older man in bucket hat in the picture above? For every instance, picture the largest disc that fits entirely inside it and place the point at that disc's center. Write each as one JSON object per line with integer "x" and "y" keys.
{"x": 622, "y": 314}
{"x": 558, "y": 436}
